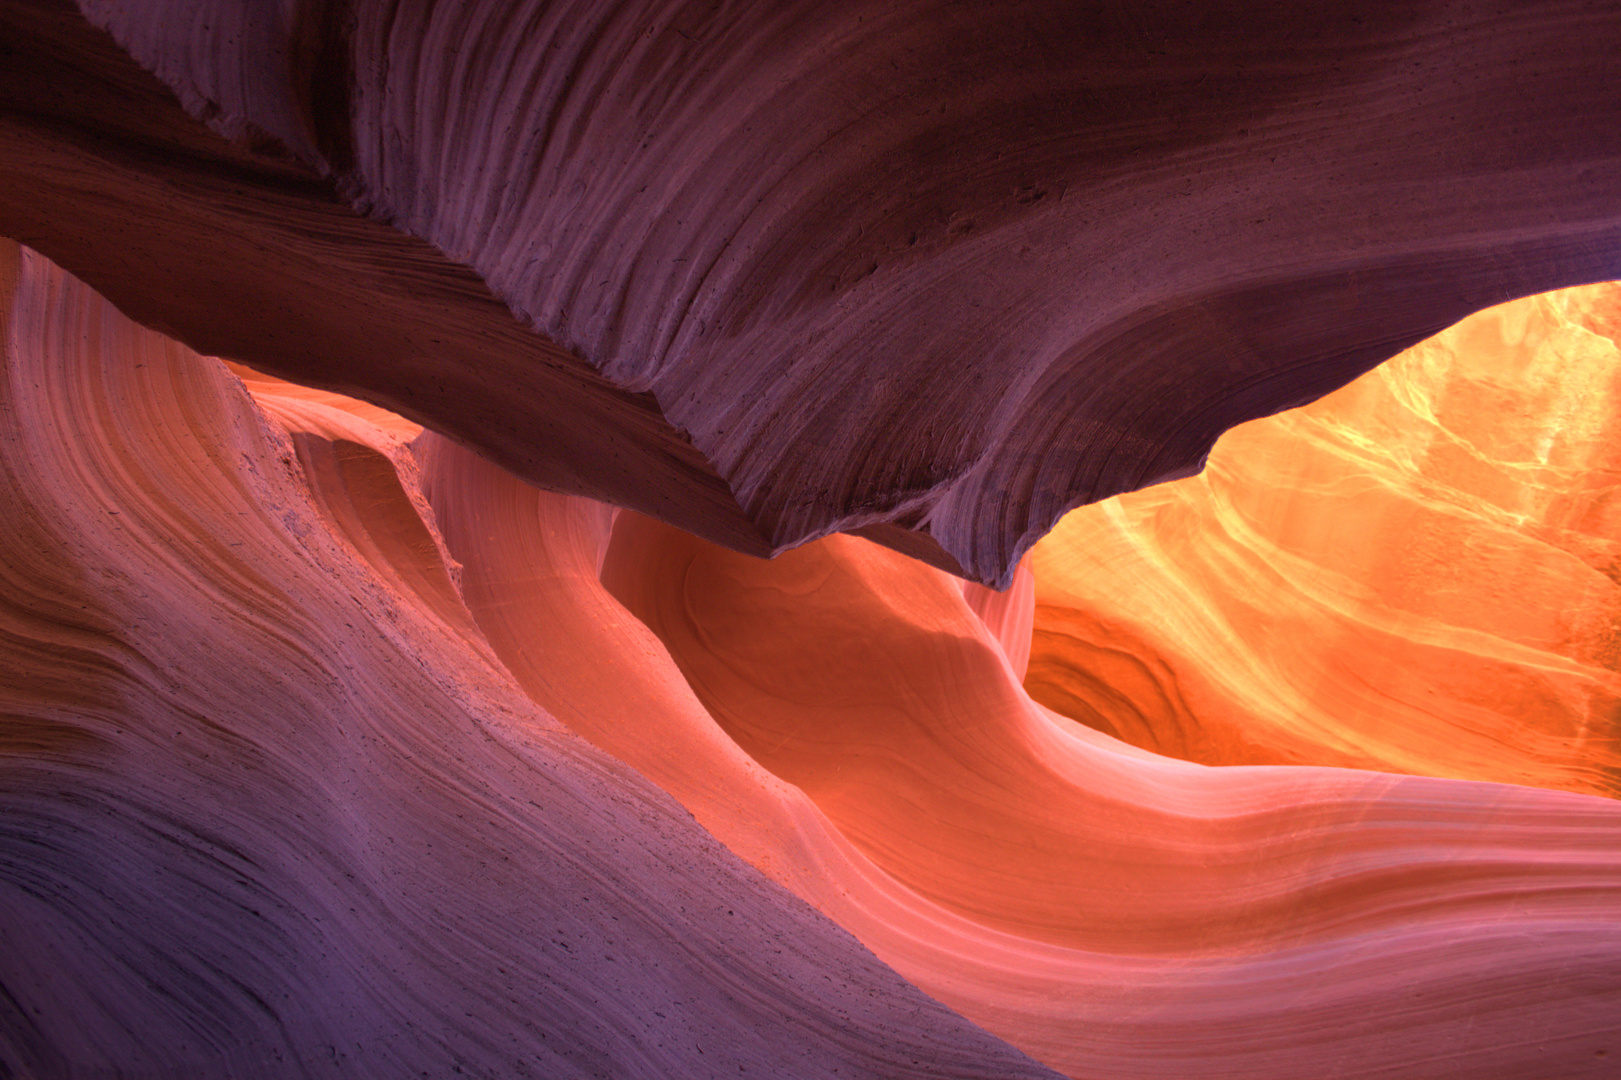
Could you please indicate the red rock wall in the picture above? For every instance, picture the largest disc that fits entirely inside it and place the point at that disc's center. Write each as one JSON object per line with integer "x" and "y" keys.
{"x": 1416, "y": 573}
{"x": 286, "y": 790}
{"x": 271, "y": 806}
{"x": 1113, "y": 912}
{"x": 332, "y": 749}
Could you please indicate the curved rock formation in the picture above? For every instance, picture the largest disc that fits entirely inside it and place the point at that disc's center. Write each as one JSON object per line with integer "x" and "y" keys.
{"x": 279, "y": 801}
{"x": 1113, "y": 913}
{"x": 271, "y": 807}
{"x": 329, "y": 748}
{"x": 1416, "y": 573}
{"x": 933, "y": 270}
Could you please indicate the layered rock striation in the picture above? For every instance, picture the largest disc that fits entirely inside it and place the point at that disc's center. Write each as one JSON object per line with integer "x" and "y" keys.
{"x": 273, "y": 807}
{"x": 296, "y": 785}
{"x": 430, "y": 714}
{"x": 768, "y": 271}
{"x": 1417, "y": 573}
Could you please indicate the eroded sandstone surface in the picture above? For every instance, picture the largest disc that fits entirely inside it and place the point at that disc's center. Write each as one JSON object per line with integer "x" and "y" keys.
{"x": 767, "y": 271}
{"x": 328, "y": 747}
{"x": 273, "y": 807}
{"x": 395, "y": 399}
{"x": 1416, "y": 573}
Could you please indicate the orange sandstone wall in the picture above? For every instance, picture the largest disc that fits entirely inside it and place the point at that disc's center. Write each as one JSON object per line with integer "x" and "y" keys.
{"x": 1416, "y": 573}
{"x": 327, "y": 751}
{"x": 1113, "y": 912}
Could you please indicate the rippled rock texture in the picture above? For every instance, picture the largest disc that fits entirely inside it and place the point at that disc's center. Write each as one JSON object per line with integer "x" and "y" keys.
{"x": 404, "y": 731}
{"x": 295, "y": 784}
{"x": 1417, "y": 573}
{"x": 272, "y": 807}
{"x": 769, "y": 270}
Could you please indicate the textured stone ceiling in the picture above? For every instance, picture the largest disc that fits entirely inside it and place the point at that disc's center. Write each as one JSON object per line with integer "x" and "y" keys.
{"x": 395, "y": 399}
{"x": 773, "y": 270}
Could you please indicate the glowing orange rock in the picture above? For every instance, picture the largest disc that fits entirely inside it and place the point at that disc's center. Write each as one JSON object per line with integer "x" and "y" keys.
{"x": 1417, "y": 573}
{"x": 283, "y": 746}
{"x": 1113, "y": 912}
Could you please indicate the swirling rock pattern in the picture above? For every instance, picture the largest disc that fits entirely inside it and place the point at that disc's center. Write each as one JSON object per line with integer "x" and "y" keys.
{"x": 1416, "y": 573}
{"x": 271, "y": 806}
{"x": 331, "y": 749}
{"x": 287, "y": 793}
{"x": 772, "y": 270}
{"x": 1114, "y": 913}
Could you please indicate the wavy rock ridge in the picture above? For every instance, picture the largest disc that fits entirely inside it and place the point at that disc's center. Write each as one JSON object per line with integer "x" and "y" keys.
{"x": 1416, "y": 573}
{"x": 772, "y": 270}
{"x": 286, "y": 794}
{"x": 272, "y": 807}
{"x": 335, "y": 746}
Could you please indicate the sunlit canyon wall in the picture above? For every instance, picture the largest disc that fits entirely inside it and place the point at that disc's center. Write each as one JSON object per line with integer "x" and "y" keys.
{"x": 453, "y": 725}
{"x": 1417, "y": 573}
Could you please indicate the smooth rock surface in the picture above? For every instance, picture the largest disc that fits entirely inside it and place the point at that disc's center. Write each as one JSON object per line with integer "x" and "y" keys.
{"x": 288, "y": 793}
{"x": 1416, "y": 573}
{"x": 271, "y": 806}
{"x": 330, "y": 748}
{"x": 983, "y": 846}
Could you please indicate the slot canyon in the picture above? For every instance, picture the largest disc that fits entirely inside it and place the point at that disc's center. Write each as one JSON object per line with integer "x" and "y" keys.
{"x": 698, "y": 538}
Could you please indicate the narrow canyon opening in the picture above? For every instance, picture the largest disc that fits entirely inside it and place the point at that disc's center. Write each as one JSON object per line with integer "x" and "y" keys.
{"x": 1417, "y": 573}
